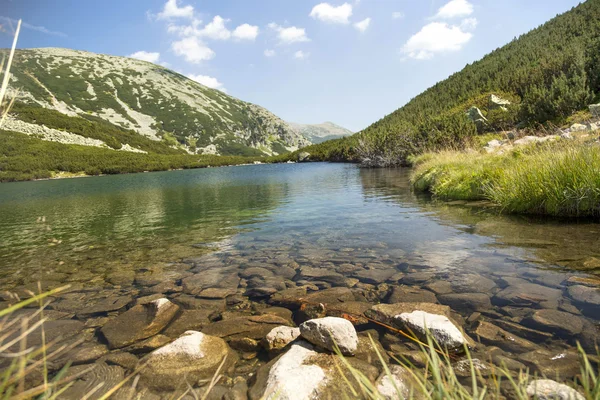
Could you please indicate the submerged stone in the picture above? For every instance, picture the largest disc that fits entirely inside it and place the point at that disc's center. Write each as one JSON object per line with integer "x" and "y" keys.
{"x": 86, "y": 307}
{"x": 585, "y": 294}
{"x": 490, "y": 334}
{"x": 411, "y": 295}
{"x": 467, "y": 302}
{"x": 523, "y": 293}
{"x": 398, "y": 383}
{"x": 471, "y": 283}
{"x": 374, "y": 275}
{"x": 139, "y": 322}
{"x": 253, "y": 327}
{"x": 560, "y": 364}
{"x": 558, "y": 322}
{"x": 100, "y": 375}
{"x": 188, "y": 320}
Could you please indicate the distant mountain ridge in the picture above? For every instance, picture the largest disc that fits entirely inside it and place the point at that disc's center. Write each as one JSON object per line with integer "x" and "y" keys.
{"x": 156, "y": 103}
{"x": 318, "y": 133}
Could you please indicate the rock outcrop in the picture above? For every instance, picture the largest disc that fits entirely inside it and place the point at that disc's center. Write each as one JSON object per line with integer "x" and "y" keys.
{"x": 477, "y": 117}
{"x": 497, "y": 102}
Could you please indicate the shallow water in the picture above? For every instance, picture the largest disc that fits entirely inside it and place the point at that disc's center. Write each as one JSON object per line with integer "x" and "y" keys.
{"x": 167, "y": 216}
{"x": 123, "y": 236}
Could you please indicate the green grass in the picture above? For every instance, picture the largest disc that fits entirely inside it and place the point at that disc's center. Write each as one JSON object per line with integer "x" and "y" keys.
{"x": 24, "y": 157}
{"x": 456, "y": 175}
{"x": 563, "y": 181}
{"x": 559, "y": 179}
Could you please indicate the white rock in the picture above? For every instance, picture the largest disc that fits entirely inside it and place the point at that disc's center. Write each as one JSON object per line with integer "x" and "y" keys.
{"x": 526, "y": 140}
{"x": 566, "y": 135}
{"x": 397, "y": 385}
{"x": 280, "y": 337}
{"x": 492, "y": 145}
{"x": 324, "y": 332}
{"x": 290, "y": 379}
{"x": 193, "y": 357}
{"x": 535, "y": 139}
{"x": 498, "y": 102}
{"x": 593, "y": 126}
{"x": 440, "y": 327}
{"x": 188, "y": 344}
{"x": 547, "y": 389}
{"x": 578, "y": 128}
{"x": 595, "y": 109}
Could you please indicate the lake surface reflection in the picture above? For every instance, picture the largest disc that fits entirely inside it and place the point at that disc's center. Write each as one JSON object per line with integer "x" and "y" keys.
{"x": 168, "y": 216}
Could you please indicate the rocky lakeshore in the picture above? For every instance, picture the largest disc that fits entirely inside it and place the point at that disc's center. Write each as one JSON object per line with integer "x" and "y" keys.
{"x": 268, "y": 321}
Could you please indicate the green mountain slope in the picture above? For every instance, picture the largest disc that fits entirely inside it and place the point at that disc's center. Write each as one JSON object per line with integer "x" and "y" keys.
{"x": 548, "y": 74}
{"x": 127, "y": 97}
{"x": 318, "y": 133}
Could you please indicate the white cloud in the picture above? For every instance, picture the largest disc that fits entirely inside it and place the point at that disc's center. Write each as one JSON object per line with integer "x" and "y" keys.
{"x": 269, "y": 53}
{"x": 186, "y": 30}
{"x": 192, "y": 49}
{"x": 207, "y": 81}
{"x": 289, "y": 35}
{"x": 436, "y": 37}
{"x": 363, "y": 25}
{"x": 171, "y": 10}
{"x": 245, "y": 32}
{"x": 152, "y": 57}
{"x": 301, "y": 55}
{"x": 328, "y": 13}
{"x": 397, "y": 15}
{"x": 469, "y": 24}
{"x": 455, "y": 8}
{"x": 216, "y": 29}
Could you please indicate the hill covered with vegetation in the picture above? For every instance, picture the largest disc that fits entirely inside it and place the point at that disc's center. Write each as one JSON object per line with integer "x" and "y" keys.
{"x": 119, "y": 101}
{"x": 547, "y": 75}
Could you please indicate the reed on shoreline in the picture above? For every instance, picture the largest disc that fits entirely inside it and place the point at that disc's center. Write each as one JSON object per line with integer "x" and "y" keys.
{"x": 557, "y": 179}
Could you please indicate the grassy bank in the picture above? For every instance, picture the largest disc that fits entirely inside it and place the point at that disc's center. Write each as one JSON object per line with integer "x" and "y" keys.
{"x": 559, "y": 179}
{"x": 24, "y": 158}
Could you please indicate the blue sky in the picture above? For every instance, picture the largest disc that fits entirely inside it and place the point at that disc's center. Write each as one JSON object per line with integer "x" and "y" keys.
{"x": 350, "y": 62}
